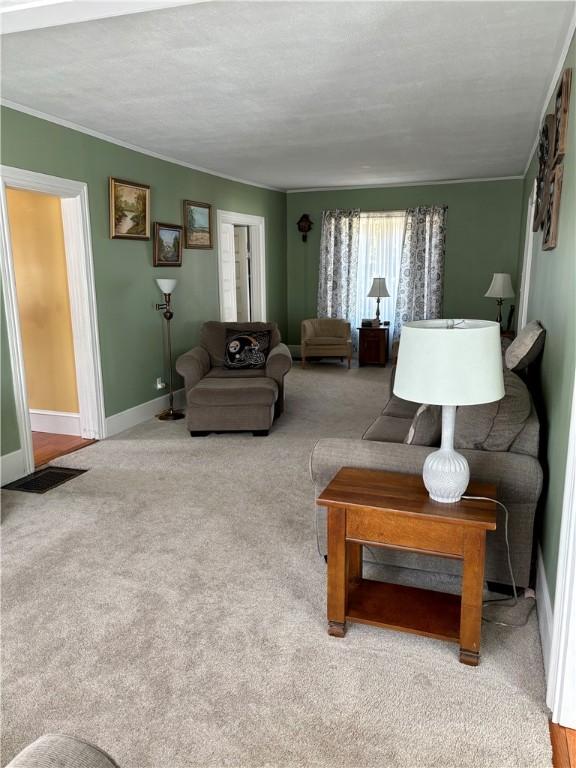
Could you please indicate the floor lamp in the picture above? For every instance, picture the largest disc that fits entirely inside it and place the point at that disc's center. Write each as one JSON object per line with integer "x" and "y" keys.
{"x": 167, "y": 288}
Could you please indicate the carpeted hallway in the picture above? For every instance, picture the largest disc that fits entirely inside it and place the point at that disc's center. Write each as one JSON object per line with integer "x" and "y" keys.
{"x": 169, "y": 606}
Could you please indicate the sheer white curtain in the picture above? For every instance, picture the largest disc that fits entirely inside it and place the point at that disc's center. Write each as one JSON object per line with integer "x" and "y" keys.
{"x": 379, "y": 255}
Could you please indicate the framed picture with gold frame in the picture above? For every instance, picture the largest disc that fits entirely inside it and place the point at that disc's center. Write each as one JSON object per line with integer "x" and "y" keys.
{"x": 552, "y": 214}
{"x": 129, "y": 210}
{"x": 167, "y": 245}
{"x": 197, "y": 225}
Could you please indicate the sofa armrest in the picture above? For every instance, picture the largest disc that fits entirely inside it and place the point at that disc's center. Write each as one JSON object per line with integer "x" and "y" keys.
{"x": 60, "y": 751}
{"x": 518, "y": 480}
{"x": 193, "y": 366}
{"x": 306, "y": 329}
{"x": 278, "y": 363}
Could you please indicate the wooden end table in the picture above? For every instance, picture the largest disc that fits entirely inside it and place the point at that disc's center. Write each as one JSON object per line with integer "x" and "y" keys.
{"x": 394, "y": 510}
{"x": 373, "y": 345}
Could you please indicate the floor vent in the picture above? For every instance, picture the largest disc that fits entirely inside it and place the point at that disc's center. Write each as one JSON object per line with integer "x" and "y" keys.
{"x": 44, "y": 480}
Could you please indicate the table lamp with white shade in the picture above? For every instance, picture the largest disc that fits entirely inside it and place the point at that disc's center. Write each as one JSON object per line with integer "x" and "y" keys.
{"x": 167, "y": 286}
{"x": 378, "y": 290}
{"x": 449, "y": 363}
{"x": 500, "y": 289}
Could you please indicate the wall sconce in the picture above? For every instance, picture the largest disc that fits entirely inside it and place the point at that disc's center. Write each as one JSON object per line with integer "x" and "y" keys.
{"x": 304, "y": 225}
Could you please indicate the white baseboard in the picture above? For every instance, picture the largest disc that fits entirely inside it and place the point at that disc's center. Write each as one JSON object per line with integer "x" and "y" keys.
{"x": 119, "y": 422}
{"x": 57, "y": 422}
{"x": 544, "y": 610}
{"x": 12, "y": 466}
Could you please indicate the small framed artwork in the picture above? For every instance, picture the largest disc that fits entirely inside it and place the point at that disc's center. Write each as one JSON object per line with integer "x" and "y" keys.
{"x": 197, "y": 225}
{"x": 551, "y": 216}
{"x": 561, "y": 107}
{"x": 545, "y": 156}
{"x": 129, "y": 210}
{"x": 167, "y": 245}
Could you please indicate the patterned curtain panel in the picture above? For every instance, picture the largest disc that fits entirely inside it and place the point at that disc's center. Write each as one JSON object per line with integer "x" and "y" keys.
{"x": 338, "y": 263}
{"x": 421, "y": 283}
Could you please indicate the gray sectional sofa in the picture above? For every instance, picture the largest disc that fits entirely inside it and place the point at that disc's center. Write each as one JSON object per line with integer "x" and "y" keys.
{"x": 220, "y": 399}
{"x": 511, "y": 426}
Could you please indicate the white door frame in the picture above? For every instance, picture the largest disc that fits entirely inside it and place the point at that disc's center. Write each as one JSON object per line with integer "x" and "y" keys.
{"x": 527, "y": 262}
{"x": 561, "y": 692}
{"x": 80, "y": 267}
{"x": 257, "y": 224}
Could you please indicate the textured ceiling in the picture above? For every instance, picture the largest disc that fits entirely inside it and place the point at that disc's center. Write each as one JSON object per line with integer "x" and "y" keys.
{"x": 297, "y": 95}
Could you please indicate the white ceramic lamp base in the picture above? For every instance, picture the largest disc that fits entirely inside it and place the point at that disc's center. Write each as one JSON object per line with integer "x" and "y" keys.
{"x": 446, "y": 473}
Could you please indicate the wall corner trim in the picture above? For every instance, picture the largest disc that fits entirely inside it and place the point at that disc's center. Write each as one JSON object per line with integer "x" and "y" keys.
{"x": 13, "y": 466}
{"x": 131, "y": 417}
{"x": 544, "y": 611}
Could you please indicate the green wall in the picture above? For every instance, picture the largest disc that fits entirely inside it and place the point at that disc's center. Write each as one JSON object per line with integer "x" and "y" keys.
{"x": 130, "y": 328}
{"x": 552, "y": 300}
{"x": 483, "y": 228}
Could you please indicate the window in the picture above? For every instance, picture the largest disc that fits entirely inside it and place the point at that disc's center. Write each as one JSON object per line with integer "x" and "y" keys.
{"x": 379, "y": 252}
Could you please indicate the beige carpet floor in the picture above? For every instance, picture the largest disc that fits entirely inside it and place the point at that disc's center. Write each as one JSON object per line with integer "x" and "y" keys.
{"x": 169, "y": 606}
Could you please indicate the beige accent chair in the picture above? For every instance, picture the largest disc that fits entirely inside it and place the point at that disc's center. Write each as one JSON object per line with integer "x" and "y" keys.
{"x": 326, "y": 337}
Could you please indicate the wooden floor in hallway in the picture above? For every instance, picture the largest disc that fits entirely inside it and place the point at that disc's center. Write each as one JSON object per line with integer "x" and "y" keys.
{"x": 563, "y": 746}
{"x": 48, "y": 446}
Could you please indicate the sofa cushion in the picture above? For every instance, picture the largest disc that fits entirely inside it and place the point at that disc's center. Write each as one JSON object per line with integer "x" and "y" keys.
{"x": 526, "y": 346}
{"x": 244, "y": 349}
{"x": 387, "y": 429}
{"x": 400, "y": 409}
{"x": 426, "y": 427}
{"x": 213, "y": 337}
{"x": 237, "y": 392}
{"x": 494, "y": 426}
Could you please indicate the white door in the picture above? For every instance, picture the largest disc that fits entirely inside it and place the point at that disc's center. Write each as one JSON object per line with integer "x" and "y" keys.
{"x": 242, "y": 274}
{"x": 227, "y": 274}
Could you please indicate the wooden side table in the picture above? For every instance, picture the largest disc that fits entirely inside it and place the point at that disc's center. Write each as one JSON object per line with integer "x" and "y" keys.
{"x": 389, "y": 509}
{"x": 373, "y": 346}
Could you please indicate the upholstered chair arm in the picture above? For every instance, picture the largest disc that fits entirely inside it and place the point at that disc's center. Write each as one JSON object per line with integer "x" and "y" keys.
{"x": 347, "y": 331}
{"x": 307, "y": 329}
{"x": 278, "y": 363}
{"x": 59, "y": 751}
{"x": 193, "y": 366}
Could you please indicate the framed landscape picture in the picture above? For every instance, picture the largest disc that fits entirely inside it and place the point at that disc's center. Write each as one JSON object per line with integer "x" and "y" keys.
{"x": 198, "y": 224}
{"x": 167, "y": 245}
{"x": 129, "y": 210}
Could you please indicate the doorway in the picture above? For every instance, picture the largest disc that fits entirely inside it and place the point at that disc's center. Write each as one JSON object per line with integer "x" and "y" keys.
{"x": 39, "y": 258}
{"x": 243, "y": 274}
{"x": 241, "y": 267}
{"x": 48, "y": 287}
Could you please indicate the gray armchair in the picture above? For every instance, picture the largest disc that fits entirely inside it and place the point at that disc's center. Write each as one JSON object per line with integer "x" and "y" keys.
{"x": 219, "y": 399}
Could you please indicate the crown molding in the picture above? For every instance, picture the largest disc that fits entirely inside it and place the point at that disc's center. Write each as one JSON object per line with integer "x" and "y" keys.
{"x": 133, "y": 147}
{"x": 394, "y": 184}
{"x": 24, "y": 15}
{"x": 552, "y": 86}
